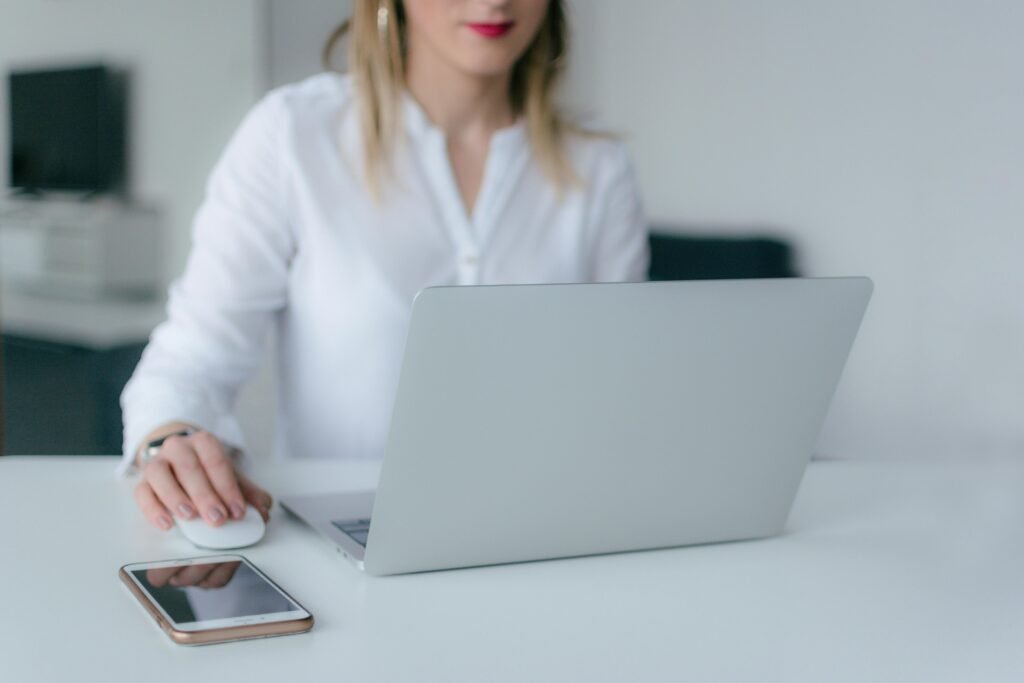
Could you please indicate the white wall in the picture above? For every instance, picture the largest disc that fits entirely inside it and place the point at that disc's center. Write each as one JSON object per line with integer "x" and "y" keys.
{"x": 196, "y": 67}
{"x": 296, "y": 35}
{"x": 886, "y": 137}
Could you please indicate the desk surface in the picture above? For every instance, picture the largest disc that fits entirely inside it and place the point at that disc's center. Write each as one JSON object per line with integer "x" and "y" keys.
{"x": 888, "y": 571}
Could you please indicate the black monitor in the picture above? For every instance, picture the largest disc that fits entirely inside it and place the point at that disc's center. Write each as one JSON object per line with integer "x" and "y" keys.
{"x": 68, "y": 130}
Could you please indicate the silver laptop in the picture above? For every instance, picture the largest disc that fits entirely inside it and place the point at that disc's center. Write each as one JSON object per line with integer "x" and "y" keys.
{"x": 545, "y": 421}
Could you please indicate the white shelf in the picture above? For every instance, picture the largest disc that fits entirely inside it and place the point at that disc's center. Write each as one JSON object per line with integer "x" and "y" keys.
{"x": 95, "y": 324}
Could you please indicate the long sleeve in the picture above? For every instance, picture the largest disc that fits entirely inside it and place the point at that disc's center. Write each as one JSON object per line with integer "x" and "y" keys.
{"x": 620, "y": 251}
{"x": 234, "y": 283}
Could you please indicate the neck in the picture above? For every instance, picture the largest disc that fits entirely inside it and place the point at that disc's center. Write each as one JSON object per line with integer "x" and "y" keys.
{"x": 459, "y": 104}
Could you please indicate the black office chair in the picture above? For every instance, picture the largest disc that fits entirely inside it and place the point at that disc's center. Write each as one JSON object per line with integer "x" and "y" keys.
{"x": 678, "y": 254}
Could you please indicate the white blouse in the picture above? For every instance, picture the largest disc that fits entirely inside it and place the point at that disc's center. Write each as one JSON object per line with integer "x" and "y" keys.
{"x": 289, "y": 238}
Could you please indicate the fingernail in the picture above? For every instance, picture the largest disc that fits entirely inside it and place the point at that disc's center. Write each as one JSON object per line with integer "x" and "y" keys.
{"x": 164, "y": 522}
{"x": 237, "y": 511}
{"x": 186, "y": 511}
{"x": 216, "y": 514}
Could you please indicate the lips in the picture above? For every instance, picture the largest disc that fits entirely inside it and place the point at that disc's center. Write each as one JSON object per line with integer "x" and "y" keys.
{"x": 492, "y": 30}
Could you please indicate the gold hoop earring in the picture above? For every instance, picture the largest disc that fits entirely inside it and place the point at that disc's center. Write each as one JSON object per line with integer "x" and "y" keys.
{"x": 382, "y": 21}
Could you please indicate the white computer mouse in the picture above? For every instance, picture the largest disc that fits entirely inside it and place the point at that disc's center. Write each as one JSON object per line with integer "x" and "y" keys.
{"x": 235, "y": 533}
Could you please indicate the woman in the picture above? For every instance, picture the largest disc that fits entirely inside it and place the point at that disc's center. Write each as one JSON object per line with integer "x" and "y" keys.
{"x": 440, "y": 159}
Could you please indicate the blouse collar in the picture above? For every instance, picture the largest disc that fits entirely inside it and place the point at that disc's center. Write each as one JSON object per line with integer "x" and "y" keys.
{"x": 419, "y": 126}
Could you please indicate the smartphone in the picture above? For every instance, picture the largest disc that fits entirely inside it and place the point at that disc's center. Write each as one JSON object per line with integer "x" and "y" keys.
{"x": 214, "y": 599}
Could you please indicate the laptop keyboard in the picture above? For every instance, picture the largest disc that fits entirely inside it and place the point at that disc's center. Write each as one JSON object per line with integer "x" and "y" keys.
{"x": 356, "y": 529}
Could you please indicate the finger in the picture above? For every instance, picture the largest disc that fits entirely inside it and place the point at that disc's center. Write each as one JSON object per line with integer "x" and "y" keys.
{"x": 220, "y": 471}
{"x": 159, "y": 577}
{"x": 192, "y": 476}
{"x": 220, "y": 576}
{"x": 259, "y": 498}
{"x": 151, "y": 506}
{"x": 193, "y": 575}
{"x": 160, "y": 476}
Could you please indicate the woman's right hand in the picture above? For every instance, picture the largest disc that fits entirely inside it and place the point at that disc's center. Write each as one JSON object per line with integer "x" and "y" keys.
{"x": 195, "y": 476}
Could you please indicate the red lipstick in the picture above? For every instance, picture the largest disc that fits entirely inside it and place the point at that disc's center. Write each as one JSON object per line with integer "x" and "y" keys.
{"x": 496, "y": 30}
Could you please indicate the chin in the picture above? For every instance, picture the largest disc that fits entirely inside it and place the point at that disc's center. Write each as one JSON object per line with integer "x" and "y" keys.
{"x": 486, "y": 65}
{"x": 482, "y": 72}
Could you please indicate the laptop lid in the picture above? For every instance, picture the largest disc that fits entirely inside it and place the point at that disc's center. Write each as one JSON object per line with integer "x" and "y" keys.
{"x": 543, "y": 421}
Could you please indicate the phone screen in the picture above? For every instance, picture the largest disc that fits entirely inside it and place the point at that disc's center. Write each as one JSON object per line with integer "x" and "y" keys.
{"x": 194, "y": 593}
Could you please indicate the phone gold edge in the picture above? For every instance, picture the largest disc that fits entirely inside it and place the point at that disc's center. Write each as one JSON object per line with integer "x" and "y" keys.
{"x": 217, "y": 635}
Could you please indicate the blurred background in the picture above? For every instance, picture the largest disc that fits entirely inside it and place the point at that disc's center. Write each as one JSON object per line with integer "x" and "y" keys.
{"x": 878, "y": 138}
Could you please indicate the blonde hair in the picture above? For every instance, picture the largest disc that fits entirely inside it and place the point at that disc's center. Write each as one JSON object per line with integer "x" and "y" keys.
{"x": 376, "y": 60}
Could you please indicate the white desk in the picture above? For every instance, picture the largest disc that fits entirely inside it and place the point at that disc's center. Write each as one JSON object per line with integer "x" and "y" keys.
{"x": 903, "y": 572}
